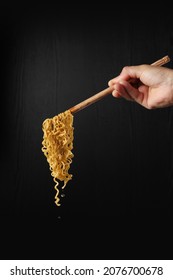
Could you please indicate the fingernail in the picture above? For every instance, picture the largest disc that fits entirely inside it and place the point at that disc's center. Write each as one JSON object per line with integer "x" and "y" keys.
{"x": 115, "y": 93}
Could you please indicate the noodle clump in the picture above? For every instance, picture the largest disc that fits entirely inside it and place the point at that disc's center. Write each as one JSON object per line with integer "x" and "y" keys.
{"x": 57, "y": 146}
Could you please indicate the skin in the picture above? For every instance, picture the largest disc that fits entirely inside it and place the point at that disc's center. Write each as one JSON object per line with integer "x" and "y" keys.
{"x": 149, "y": 86}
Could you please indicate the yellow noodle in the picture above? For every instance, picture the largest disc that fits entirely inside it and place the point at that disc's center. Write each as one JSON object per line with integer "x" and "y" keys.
{"x": 57, "y": 146}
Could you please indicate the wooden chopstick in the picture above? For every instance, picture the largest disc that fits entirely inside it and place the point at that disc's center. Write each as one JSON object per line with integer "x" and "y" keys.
{"x": 87, "y": 102}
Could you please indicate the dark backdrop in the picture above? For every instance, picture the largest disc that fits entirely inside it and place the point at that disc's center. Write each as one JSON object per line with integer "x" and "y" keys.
{"x": 119, "y": 202}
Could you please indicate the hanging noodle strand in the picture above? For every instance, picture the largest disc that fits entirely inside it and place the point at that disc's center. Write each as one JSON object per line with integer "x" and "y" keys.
{"x": 57, "y": 146}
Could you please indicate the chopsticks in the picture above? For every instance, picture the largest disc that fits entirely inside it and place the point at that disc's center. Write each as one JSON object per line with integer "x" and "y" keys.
{"x": 87, "y": 102}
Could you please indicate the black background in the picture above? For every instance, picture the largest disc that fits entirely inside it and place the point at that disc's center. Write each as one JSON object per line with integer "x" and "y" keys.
{"x": 119, "y": 203}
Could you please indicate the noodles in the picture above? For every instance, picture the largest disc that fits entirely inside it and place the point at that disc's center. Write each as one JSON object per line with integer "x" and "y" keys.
{"x": 57, "y": 146}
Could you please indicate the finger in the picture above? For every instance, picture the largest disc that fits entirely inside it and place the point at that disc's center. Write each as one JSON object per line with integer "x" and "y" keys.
{"x": 122, "y": 76}
{"x": 129, "y": 73}
{"x": 113, "y": 81}
{"x": 116, "y": 94}
{"x": 132, "y": 92}
{"x": 120, "y": 91}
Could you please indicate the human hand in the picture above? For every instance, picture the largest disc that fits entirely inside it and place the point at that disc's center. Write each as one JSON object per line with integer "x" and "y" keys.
{"x": 150, "y": 86}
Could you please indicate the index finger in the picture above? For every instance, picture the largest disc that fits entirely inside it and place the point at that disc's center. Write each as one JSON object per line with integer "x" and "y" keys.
{"x": 128, "y": 73}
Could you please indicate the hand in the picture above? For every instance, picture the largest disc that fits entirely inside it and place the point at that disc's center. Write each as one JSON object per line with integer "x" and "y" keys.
{"x": 150, "y": 86}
